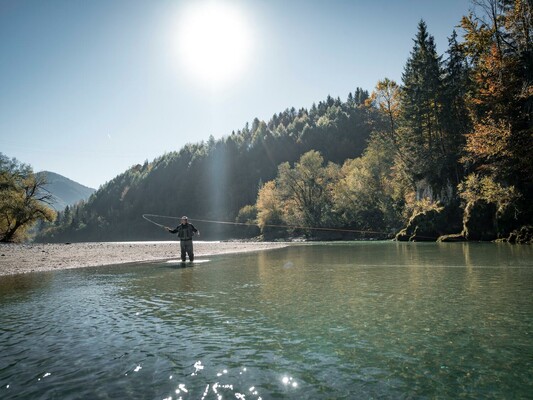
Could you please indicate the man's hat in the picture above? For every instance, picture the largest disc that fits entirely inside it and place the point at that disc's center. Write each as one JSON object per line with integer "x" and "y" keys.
{"x": 184, "y": 217}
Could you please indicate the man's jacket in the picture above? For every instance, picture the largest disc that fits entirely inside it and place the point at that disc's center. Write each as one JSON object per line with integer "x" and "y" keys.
{"x": 185, "y": 231}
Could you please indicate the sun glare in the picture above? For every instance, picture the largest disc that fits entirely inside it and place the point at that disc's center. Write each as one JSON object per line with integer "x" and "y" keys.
{"x": 214, "y": 42}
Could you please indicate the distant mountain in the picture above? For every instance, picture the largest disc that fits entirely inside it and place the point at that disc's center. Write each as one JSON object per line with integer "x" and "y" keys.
{"x": 65, "y": 191}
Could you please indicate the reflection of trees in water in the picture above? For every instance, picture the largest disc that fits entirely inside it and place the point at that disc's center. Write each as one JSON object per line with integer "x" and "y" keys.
{"x": 171, "y": 279}
{"x": 23, "y": 285}
{"x": 471, "y": 282}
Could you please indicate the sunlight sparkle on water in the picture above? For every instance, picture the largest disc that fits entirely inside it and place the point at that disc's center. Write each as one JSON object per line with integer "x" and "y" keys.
{"x": 181, "y": 388}
{"x": 288, "y": 380}
{"x": 206, "y": 391}
{"x": 45, "y": 375}
{"x": 220, "y": 390}
{"x": 197, "y": 367}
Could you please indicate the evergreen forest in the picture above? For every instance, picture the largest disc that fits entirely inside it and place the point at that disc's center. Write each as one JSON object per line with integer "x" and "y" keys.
{"x": 443, "y": 155}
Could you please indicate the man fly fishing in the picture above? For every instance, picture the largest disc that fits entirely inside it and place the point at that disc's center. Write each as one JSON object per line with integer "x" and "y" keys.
{"x": 185, "y": 232}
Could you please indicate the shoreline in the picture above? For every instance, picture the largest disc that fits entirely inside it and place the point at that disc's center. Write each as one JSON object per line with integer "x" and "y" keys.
{"x": 27, "y": 258}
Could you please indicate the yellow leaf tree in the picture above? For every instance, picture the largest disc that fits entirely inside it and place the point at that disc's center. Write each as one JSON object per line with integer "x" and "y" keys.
{"x": 23, "y": 200}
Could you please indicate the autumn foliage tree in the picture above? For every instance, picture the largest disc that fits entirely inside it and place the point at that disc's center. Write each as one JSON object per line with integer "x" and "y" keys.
{"x": 269, "y": 210}
{"x": 386, "y": 98}
{"x": 23, "y": 200}
{"x": 300, "y": 197}
{"x": 498, "y": 41}
{"x": 365, "y": 197}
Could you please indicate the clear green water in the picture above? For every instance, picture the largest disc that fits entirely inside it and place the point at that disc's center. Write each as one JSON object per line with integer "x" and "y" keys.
{"x": 378, "y": 320}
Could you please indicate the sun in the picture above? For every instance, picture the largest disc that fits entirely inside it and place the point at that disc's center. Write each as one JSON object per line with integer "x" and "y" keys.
{"x": 214, "y": 42}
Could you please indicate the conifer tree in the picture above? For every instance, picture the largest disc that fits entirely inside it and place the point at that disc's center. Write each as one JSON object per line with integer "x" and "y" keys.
{"x": 421, "y": 137}
{"x": 456, "y": 121}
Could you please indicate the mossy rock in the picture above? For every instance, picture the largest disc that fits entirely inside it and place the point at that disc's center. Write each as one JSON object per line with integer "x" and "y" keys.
{"x": 524, "y": 235}
{"x": 430, "y": 225}
{"x": 479, "y": 221}
{"x": 422, "y": 227}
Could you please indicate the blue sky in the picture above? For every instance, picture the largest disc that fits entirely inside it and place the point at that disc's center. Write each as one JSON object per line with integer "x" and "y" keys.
{"x": 90, "y": 88}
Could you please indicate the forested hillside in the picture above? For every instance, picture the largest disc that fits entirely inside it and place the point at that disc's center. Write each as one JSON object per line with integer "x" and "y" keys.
{"x": 214, "y": 180}
{"x": 446, "y": 154}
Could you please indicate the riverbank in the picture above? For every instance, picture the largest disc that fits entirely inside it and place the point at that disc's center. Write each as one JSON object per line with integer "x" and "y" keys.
{"x": 25, "y": 258}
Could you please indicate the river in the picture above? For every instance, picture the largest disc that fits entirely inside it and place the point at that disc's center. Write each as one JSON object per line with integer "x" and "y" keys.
{"x": 352, "y": 320}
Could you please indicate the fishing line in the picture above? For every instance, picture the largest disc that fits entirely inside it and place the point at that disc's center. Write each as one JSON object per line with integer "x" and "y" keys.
{"x": 146, "y": 217}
